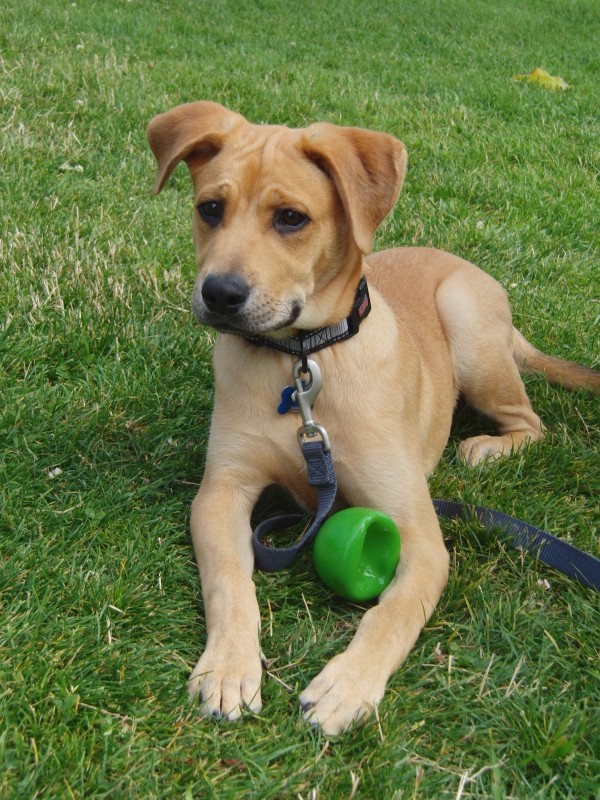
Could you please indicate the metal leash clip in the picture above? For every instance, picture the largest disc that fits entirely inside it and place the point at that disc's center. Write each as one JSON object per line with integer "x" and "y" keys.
{"x": 305, "y": 395}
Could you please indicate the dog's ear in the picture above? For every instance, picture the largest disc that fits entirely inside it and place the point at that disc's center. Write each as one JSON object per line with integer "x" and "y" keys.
{"x": 367, "y": 168}
{"x": 197, "y": 129}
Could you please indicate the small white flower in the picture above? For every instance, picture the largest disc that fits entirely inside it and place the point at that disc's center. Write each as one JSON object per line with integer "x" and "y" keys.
{"x": 479, "y": 225}
{"x": 544, "y": 583}
{"x": 66, "y": 167}
{"x": 54, "y": 473}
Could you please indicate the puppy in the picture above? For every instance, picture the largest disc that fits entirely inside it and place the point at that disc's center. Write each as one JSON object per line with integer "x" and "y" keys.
{"x": 283, "y": 220}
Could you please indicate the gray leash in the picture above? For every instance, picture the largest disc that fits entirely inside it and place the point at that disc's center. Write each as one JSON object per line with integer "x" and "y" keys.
{"x": 321, "y": 475}
{"x": 550, "y": 550}
{"x": 316, "y": 450}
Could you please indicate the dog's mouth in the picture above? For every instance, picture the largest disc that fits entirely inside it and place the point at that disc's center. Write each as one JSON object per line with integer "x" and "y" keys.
{"x": 245, "y": 328}
{"x": 252, "y": 322}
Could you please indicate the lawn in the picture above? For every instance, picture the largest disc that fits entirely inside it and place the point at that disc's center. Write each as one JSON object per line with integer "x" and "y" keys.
{"x": 106, "y": 391}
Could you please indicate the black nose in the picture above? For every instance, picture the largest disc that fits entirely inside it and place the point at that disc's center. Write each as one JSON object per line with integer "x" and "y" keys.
{"x": 225, "y": 294}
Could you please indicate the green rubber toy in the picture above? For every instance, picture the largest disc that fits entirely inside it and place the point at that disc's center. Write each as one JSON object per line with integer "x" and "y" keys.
{"x": 356, "y": 553}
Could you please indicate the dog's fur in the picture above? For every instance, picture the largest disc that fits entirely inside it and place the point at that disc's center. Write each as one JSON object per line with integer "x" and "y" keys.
{"x": 287, "y": 219}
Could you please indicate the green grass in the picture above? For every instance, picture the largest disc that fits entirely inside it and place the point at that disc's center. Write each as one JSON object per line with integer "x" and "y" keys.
{"x": 104, "y": 376}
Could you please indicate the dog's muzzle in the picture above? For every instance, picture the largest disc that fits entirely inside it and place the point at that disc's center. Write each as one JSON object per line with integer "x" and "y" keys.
{"x": 228, "y": 303}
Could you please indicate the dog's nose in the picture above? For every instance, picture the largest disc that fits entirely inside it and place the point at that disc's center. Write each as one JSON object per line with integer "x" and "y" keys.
{"x": 225, "y": 294}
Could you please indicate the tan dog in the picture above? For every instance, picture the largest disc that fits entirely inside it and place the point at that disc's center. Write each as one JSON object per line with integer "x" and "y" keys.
{"x": 283, "y": 219}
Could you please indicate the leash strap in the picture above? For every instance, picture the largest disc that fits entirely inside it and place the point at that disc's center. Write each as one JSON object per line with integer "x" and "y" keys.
{"x": 321, "y": 475}
{"x": 549, "y": 550}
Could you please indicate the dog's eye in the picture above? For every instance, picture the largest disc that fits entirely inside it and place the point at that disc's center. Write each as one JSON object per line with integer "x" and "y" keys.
{"x": 211, "y": 212}
{"x": 286, "y": 220}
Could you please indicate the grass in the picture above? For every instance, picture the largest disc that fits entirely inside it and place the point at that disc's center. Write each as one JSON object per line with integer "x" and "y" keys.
{"x": 105, "y": 386}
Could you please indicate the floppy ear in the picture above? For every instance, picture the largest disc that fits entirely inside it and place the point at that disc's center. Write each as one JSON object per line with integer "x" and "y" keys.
{"x": 367, "y": 168}
{"x": 199, "y": 128}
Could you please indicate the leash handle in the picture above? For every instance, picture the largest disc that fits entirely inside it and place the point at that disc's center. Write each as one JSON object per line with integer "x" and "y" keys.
{"x": 550, "y": 550}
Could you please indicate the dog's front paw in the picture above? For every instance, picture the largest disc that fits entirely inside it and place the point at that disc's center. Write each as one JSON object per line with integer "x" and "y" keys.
{"x": 342, "y": 695}
{"x": 228, "y": 682}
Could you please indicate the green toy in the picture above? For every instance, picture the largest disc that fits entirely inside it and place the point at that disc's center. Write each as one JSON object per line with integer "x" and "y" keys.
{"x": 356, "y": 553}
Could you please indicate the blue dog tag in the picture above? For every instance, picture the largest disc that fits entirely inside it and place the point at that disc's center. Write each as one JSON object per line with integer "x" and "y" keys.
{"x": 288, "y": 403}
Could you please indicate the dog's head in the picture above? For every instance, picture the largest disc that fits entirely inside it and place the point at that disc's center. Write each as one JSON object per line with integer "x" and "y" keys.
{"x": 282, "y": 216}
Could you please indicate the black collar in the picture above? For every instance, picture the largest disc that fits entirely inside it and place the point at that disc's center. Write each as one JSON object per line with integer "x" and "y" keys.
{"x": 306, "y": 342}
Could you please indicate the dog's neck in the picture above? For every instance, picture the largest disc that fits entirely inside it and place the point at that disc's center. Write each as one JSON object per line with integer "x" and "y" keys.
{"x": 304, "y": 343}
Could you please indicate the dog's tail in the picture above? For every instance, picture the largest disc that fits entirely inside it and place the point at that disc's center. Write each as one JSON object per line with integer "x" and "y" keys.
{"x": 566, "y": 373}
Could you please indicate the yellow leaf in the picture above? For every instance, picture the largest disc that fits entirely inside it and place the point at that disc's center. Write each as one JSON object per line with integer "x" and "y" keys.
{"x": 541, "y": 77}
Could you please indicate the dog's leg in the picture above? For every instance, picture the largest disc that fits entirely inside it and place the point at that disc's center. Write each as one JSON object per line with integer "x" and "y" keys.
{"x": 228, "y": 674}
{"x": 353, "y": 683}
{"x": 476, "y": 317}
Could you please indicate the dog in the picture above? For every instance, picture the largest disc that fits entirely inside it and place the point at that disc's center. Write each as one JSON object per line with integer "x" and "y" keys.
{"x": 283, "y": 225}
